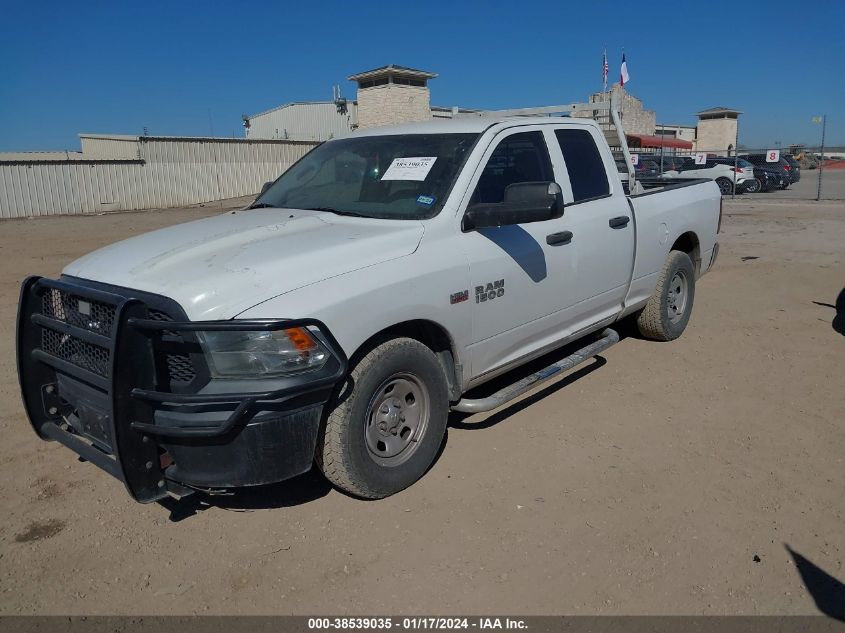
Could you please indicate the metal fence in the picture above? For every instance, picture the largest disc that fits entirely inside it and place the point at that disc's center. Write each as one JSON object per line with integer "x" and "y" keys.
{"x": 796, "y": 173}
{"x": 118, "y": 173}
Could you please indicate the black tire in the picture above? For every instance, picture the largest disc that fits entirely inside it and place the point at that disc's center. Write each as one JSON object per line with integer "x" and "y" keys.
{"x": 344, "y": 451}
{"x": 725, "y": 186}
{"x": 754, "y": 186}
{"x": 657, "y": 321}
{"x": 785, "y": 185}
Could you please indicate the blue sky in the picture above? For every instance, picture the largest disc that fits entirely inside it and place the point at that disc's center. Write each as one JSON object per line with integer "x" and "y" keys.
{"x": 185, "y": 68}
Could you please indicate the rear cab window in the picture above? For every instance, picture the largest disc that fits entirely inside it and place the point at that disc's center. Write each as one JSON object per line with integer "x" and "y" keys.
{"x": 584, "y": 164}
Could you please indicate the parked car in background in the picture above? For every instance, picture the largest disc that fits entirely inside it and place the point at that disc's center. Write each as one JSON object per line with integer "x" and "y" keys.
{"x": 769, "y": 178}
{"x": 647, "y": 168}
{"x": 724, "y": 175}
{"x": 795, "y": 171}
{"x": 754, "y": 184}
{"x": 671, "y": 162}
{"x": 781, "y": 166}
{"x": 764, "y": 180}
{"x": 776, "y": 179}
{"x": 668, "y": 162}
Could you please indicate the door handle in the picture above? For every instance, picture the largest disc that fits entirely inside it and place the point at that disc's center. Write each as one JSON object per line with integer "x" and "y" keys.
{"x": 554, "y": 239}
{"x": 619, "y": 222}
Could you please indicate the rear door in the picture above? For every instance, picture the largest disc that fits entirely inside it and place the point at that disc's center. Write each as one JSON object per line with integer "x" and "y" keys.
{"x": 602, "y": 226}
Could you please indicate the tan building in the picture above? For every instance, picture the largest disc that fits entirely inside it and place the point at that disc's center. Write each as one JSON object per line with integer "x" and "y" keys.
{"x": 392, "y": 94}
{"x": 635, "y": 118}
{"x": 717, "y": 130}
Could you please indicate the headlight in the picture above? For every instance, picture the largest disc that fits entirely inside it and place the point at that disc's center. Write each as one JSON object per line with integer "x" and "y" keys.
{"x": 262, "y": 354}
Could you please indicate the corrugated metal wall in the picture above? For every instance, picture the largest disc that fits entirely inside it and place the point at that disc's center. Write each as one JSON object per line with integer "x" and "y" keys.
{"x": 170, "y": 172}
{"x": 302, "y": 121}
{"x": 110, "y": 146}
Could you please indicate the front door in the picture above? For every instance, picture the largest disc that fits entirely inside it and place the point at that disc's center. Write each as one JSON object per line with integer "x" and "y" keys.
{"x": 519, "y": 280}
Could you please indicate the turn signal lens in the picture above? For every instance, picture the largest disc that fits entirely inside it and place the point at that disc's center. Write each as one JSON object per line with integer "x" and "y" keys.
{"x": 301, "y": 339}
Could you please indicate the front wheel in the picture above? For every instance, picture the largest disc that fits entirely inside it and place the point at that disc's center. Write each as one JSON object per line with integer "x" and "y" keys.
{"x": 667, "y": 312}
{"x": 387, "y": 424}
{"x": 725, "y": 186}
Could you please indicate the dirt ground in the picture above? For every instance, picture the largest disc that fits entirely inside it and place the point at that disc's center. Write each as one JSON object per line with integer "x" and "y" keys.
{"x": 661, "y": 479}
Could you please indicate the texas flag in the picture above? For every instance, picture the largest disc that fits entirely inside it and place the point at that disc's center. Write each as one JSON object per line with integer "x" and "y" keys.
{"x": 624, "y": 77}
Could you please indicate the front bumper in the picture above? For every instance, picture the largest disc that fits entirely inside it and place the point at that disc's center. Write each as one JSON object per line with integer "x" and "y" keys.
{"x": 118, "y": 377}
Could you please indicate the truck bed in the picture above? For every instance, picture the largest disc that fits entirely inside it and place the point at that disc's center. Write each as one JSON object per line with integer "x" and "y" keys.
{"x": 686, "y": 210}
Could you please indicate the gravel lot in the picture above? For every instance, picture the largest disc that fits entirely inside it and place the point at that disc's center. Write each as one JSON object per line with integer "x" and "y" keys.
{"x": 665, "y": 478}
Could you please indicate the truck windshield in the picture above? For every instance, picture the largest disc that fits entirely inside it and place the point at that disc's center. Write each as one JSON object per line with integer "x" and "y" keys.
{"x": 403, "y": 176}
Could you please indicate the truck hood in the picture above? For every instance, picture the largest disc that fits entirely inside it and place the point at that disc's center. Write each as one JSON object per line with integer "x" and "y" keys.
{"x": 218, "y": 267}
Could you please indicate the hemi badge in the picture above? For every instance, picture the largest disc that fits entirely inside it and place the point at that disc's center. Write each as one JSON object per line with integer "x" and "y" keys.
{"x": 459, "y": 297}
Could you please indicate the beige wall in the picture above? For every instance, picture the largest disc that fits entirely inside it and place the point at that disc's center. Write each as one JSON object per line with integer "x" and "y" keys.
{"x": 392, "y": 103}
{"x": 635, "y": 118}
{"x": 716, "y": 135}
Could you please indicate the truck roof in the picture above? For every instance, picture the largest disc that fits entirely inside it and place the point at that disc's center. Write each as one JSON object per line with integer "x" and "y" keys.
{"x": 463, "y": 125}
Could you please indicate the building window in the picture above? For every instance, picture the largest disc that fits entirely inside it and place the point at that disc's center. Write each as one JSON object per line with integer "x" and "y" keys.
{"x": 381, "y": 81}
{"x": 407, "y": 81}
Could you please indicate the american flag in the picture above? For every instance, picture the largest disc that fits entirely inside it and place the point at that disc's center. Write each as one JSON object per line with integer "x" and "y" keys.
{"x": 604, "y": 70}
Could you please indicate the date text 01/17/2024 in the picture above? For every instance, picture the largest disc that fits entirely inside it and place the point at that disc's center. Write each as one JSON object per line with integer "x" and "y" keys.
{"x": 416, "y": 623}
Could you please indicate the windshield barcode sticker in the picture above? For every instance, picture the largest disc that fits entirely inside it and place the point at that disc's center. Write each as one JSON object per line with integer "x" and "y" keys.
{"x": 412, "y": 168}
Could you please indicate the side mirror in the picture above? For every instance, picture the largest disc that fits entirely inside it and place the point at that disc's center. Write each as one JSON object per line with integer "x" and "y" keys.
{"x": 524, "y": 202}
{"x": 265, "y": 187}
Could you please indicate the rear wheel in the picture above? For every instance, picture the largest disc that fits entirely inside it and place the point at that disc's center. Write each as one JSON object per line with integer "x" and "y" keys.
{"x": 725, "y": 186}
{"x": 387, "y": 425}
{"x": 667, "y": 312}
{"x": 753, "y": 186}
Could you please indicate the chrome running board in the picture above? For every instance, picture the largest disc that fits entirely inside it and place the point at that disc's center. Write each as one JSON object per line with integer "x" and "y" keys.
{"x": 506, "y": 394}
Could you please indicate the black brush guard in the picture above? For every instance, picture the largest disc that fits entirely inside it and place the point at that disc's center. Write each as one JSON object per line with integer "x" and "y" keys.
{"x": 119, "y": 432}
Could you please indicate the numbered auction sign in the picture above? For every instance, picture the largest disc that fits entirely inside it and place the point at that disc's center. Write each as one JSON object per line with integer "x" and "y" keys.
{"x": 773, "y": 156}
{"x": 635, "y": 159}
{"x": 700, "y": 159}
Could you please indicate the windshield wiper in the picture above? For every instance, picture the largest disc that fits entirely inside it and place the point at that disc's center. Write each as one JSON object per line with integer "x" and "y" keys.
{"x": 260, "y": 205}
{"x": 338, "y": 212}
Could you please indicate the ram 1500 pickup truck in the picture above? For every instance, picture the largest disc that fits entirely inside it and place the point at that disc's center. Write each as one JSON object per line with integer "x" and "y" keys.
{"x": 342, "y": 315}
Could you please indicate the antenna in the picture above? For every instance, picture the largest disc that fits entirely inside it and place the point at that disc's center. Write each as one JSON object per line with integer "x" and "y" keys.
{"x": 339, "y": 100}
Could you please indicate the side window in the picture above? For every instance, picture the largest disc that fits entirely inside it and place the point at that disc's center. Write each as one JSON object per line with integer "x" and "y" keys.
{"x": 587, "y": 174}
{"x": 521, "y": 157}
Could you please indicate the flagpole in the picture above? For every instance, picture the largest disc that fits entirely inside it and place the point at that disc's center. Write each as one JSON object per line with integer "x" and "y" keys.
{"x": 821, "y": 159}
{"x": 604, "y": 70}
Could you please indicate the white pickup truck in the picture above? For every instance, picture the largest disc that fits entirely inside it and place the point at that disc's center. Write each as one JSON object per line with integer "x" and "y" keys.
{"x": 341, "y": 316}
